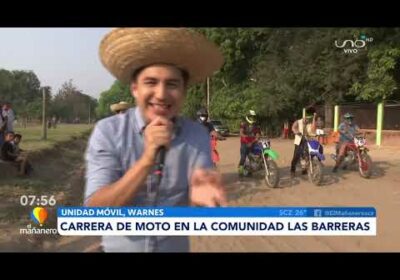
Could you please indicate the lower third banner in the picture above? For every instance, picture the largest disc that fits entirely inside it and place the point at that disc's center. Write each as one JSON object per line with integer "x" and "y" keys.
{"x": 228, "y": 221}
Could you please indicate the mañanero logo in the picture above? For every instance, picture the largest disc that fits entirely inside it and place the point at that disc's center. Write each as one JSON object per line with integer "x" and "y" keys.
{"x": 38, "y": 216}
{"x": 352, "y": 46}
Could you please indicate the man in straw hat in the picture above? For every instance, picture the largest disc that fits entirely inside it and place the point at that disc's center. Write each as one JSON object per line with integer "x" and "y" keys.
{"x": 159, "y": 64}
{"x": 119, "y": 108}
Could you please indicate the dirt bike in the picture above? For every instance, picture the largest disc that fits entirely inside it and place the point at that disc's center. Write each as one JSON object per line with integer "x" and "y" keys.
{"x": 357, "y": 153}
{"x": 311, "y": 160}
{"x": 262, "y": 158}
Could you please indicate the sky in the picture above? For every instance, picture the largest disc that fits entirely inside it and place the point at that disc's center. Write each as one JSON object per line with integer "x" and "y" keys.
{"x": 57, "y": 55}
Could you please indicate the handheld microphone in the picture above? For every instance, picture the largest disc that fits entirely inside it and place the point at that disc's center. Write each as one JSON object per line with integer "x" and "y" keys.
{"x": 160, "y": 158}
{"x": 159, "y": 165}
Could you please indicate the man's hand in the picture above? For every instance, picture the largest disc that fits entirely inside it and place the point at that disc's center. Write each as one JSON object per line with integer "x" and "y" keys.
{"x": 157, "y": 133}
{"x": 206, "y": 189}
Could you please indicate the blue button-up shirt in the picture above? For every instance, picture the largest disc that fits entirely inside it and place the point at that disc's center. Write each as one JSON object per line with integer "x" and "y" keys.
{"x": 116, "y": 144}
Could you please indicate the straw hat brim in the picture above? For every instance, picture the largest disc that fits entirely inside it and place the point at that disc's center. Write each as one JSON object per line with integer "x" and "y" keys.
{"x": 124, "y": 50}
{"x": 119, "y": 107}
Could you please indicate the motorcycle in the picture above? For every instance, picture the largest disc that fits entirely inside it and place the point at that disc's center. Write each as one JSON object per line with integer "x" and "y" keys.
{"x": 262, "y": 158}
{"x": 311, "y": 160}
{"x": 357, "y": 153}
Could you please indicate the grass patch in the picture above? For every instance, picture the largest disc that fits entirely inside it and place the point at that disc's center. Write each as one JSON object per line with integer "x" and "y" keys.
{"x": 32, "y": 136}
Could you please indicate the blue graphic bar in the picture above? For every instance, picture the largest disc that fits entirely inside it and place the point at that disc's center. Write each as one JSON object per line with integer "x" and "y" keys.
{"x": 169, "y": 212}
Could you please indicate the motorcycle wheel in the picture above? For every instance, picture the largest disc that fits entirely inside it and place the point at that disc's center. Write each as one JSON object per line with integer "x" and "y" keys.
{"x": 246, "y": 168}
{"x": 365, "y": 166}
{"x": 272, "y": 179}
{"x": 316, "y": 175}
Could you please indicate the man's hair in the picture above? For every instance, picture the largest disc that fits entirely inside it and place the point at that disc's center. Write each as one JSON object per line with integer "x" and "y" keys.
{"x": 184, "y": 73}
{"x": 10, "y": 132}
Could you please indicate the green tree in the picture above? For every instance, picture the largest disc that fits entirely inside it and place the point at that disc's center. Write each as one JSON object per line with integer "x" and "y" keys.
{"x": 22, "y": 89}
{"x": 118, "y": 92}
{"x": 70, "y": 104}
{"x": 380, "y": 83}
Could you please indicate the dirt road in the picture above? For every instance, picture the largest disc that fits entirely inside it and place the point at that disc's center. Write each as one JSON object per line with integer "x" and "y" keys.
{"x": 346, "y": 188}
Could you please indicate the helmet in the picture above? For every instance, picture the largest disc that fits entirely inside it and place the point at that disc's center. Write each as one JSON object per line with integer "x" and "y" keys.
{"x": 251, "y": 117}
{"x": 310, "y": 111}
{"x": 202, "y": 115}
{"x": 348, "y": 116}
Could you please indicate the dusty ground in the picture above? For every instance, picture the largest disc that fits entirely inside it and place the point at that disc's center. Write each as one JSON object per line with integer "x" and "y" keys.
{"x": 57, "y": 172}
{"x": 346, "y": 188}
{"x": 63, "y": 176}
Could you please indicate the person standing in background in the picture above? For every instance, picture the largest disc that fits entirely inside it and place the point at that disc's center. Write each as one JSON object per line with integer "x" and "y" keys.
{"x": 8, "y": 113}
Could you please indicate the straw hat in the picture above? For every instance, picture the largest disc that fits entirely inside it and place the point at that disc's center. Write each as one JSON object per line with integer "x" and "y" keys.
{"x": 119, "y": 106}
{"x": 124, "y": 50}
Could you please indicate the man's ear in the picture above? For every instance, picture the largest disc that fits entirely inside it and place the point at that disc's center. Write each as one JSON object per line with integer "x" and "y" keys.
{"x": 134, "y": 89}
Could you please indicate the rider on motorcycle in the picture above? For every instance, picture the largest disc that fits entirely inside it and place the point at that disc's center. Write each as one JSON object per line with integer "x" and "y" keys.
{"x": 304, "y": 126}
{"x": 202, "y": 117}
{"x": 250, "y": 133}
{"x": 347, "y": 130}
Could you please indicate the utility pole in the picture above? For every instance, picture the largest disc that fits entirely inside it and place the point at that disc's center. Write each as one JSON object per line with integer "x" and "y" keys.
{"x": 44, "y": 123}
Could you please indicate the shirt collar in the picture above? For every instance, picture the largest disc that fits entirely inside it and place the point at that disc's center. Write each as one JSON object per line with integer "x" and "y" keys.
{"x": 139, "y": 120}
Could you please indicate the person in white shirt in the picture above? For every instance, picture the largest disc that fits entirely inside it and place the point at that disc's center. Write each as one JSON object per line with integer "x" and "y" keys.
{"x": 9, "y": 113}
